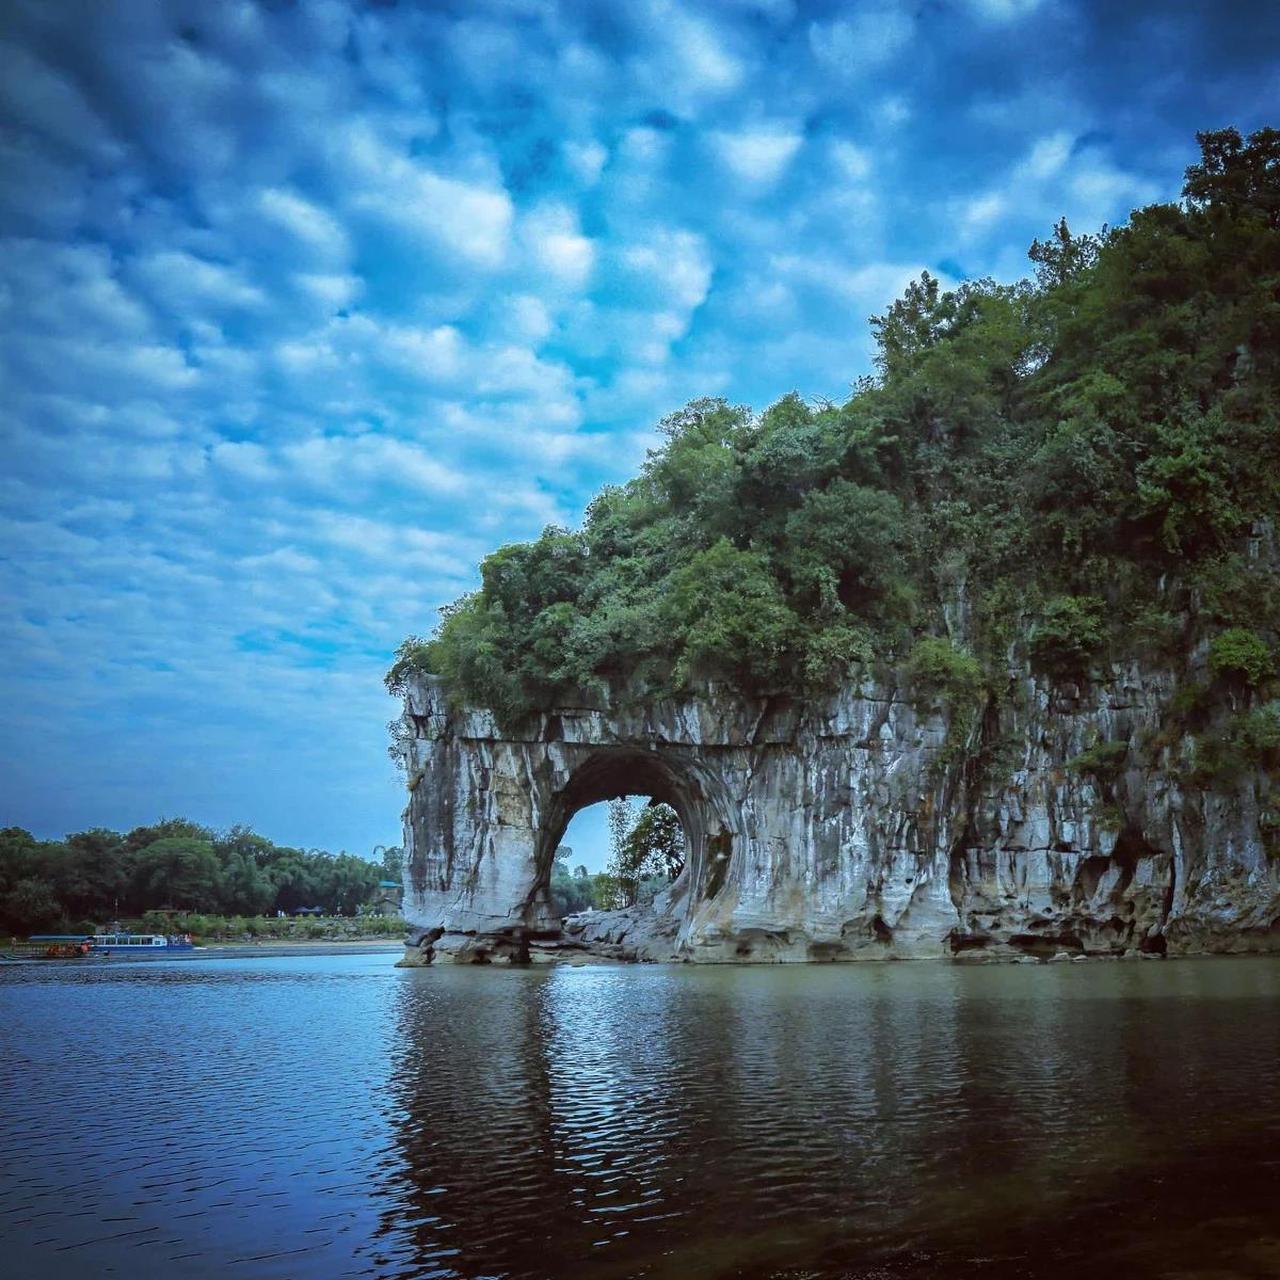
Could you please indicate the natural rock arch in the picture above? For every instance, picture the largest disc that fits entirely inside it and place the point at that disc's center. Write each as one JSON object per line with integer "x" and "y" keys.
{"x": 488, "y": 810}
{"x": 857, "y": 826}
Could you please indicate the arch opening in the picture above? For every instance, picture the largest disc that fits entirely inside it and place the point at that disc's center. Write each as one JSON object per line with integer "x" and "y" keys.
{"x": 613, "y": 774}
{"x": 617, "y": 853}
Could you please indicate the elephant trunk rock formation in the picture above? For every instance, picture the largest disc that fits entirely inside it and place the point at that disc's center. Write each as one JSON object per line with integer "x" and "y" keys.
{"x": 859, "y": 827}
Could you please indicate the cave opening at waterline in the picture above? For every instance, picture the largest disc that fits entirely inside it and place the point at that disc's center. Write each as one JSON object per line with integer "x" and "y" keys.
{"x": 622, "y": 832}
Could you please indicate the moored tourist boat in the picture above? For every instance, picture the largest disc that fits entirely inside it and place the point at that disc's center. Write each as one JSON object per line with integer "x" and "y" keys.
{"x": 58, "y": 946}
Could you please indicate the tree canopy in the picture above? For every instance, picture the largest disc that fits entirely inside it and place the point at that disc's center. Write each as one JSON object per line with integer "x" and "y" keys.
{"x": 1082, "y": 453}
{"x": 98, "y": 875}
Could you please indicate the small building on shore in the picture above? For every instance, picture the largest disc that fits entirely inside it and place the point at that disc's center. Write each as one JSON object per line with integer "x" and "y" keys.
{"x": 387, "y": 900}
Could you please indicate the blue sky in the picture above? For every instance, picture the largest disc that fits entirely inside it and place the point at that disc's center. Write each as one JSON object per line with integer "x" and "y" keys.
{"x": 305, "y": 307}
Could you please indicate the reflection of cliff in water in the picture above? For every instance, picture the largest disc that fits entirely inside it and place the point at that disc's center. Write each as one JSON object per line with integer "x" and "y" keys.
{"x": 601, "y": 1122}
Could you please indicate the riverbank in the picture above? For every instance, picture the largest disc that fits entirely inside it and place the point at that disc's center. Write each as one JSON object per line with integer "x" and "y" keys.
{"x": 232, "y": 951}
{"x": 322, "y": 947}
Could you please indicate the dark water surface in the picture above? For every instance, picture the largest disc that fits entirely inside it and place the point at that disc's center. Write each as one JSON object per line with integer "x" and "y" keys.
{"x": 317, "y": 1117}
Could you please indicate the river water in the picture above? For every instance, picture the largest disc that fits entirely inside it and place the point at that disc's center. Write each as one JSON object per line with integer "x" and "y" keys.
{"x": 321, "y": 1117}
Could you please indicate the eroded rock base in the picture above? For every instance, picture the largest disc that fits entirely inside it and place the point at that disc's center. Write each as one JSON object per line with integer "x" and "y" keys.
{"x": 636, "y": 936}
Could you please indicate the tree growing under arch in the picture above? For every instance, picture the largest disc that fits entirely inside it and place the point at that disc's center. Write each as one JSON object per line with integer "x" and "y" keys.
{"x": 647, "y": 849}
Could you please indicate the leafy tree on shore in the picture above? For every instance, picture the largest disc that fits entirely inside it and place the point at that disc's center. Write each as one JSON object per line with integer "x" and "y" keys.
{"x": 178, "y": 871}
{"x": 30, "y": 905}
{"x": 647, "y": 851}
{"x": 571, "y": 893}
{"x": 392, "y": 863}
{"x": 654, "y": 847}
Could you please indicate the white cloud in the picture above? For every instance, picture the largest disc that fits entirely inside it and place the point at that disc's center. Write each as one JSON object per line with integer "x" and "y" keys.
{"x": 340, "y": 462}
{"x": 672, "y": 266}
{"x": 286, "y": 560}
{"x": 644, "y": 147}
{"x": 38, "y": 191}
{"x": 488, "y": 50}
{"x": 180, "y": 281}
{"x": 852, "y": 162}
{"x": 982, "y": 212}
{"x": 758, "y": 155}
{"x": 306, "y": 222}
{"x": 463, "y": 218}
{"x": 113, "y": 370}
{"x": 41, "y": 98}
{"x": 586, "y": 160}
{"x": 244, "y": 459}
{"x": 687, "y": 60}
{"x": 864, "y": 289}
{"x": 1002, "y": 11}
{"x": 858, "y": 42}
{"x": 201, "y": 96}
{"x": 435, "y": 355}
{"x": 469, "y": 218}
{"x": 524, "y": 318}
{"x": 1054, "y": 179}
{"x": 893, "y": 111}
{"x": 330, "y": 291}
{"x": 68, "y": 289}
{"x": 557, "y": 247}
{"x": 703, "y": 59}
{"x": 1100, "y": 192}
{"x": 1048, "y": 156}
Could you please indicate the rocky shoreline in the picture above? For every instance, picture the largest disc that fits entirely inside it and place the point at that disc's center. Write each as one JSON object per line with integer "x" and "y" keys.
{"x": 570, "y": 956}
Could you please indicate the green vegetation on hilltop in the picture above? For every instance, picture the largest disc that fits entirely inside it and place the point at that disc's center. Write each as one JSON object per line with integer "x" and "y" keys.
{"x": 99, "y": 875}
{"x": 1078, "y": 458}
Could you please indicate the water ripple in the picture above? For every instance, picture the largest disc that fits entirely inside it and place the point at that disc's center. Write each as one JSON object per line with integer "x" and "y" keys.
{"x": 333, "y": 1117}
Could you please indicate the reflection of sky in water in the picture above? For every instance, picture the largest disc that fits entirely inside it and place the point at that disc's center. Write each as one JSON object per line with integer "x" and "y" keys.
{"x": 329, "y": 1117}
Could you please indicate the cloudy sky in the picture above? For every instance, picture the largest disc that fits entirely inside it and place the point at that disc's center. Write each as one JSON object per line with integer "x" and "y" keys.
{"x": 307, "y": 306}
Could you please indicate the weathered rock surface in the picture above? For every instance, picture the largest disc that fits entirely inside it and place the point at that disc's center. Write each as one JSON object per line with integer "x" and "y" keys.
{"x": 857, "y": 828}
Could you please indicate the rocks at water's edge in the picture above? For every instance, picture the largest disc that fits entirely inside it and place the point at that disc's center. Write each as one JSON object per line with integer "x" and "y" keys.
{"x": 856, "y": 828}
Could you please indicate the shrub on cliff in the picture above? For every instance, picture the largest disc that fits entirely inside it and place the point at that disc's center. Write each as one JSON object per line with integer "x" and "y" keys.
{"x": 1248, "y": 741}
{"x": 1103, "y": 760}
{"x": 937, "y": 670}
{"x": 726, "y": 614}
{"x": 1068, "y": 636}
{"x": 1242, "y": 655}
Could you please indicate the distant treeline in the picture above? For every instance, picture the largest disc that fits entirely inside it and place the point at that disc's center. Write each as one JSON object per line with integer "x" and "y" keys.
{"x": 95, "y": 876}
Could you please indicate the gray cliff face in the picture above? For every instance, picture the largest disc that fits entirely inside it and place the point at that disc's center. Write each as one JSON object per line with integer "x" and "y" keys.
{"x": 858, "y": 828}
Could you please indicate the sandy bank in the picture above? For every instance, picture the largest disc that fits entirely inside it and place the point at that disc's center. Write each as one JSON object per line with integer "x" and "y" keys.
{"x": 225, "y": 951}
{"x": 322, "y": 947}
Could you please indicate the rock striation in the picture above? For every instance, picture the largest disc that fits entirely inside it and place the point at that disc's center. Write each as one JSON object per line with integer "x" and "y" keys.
{"x": 864, "y": 826}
